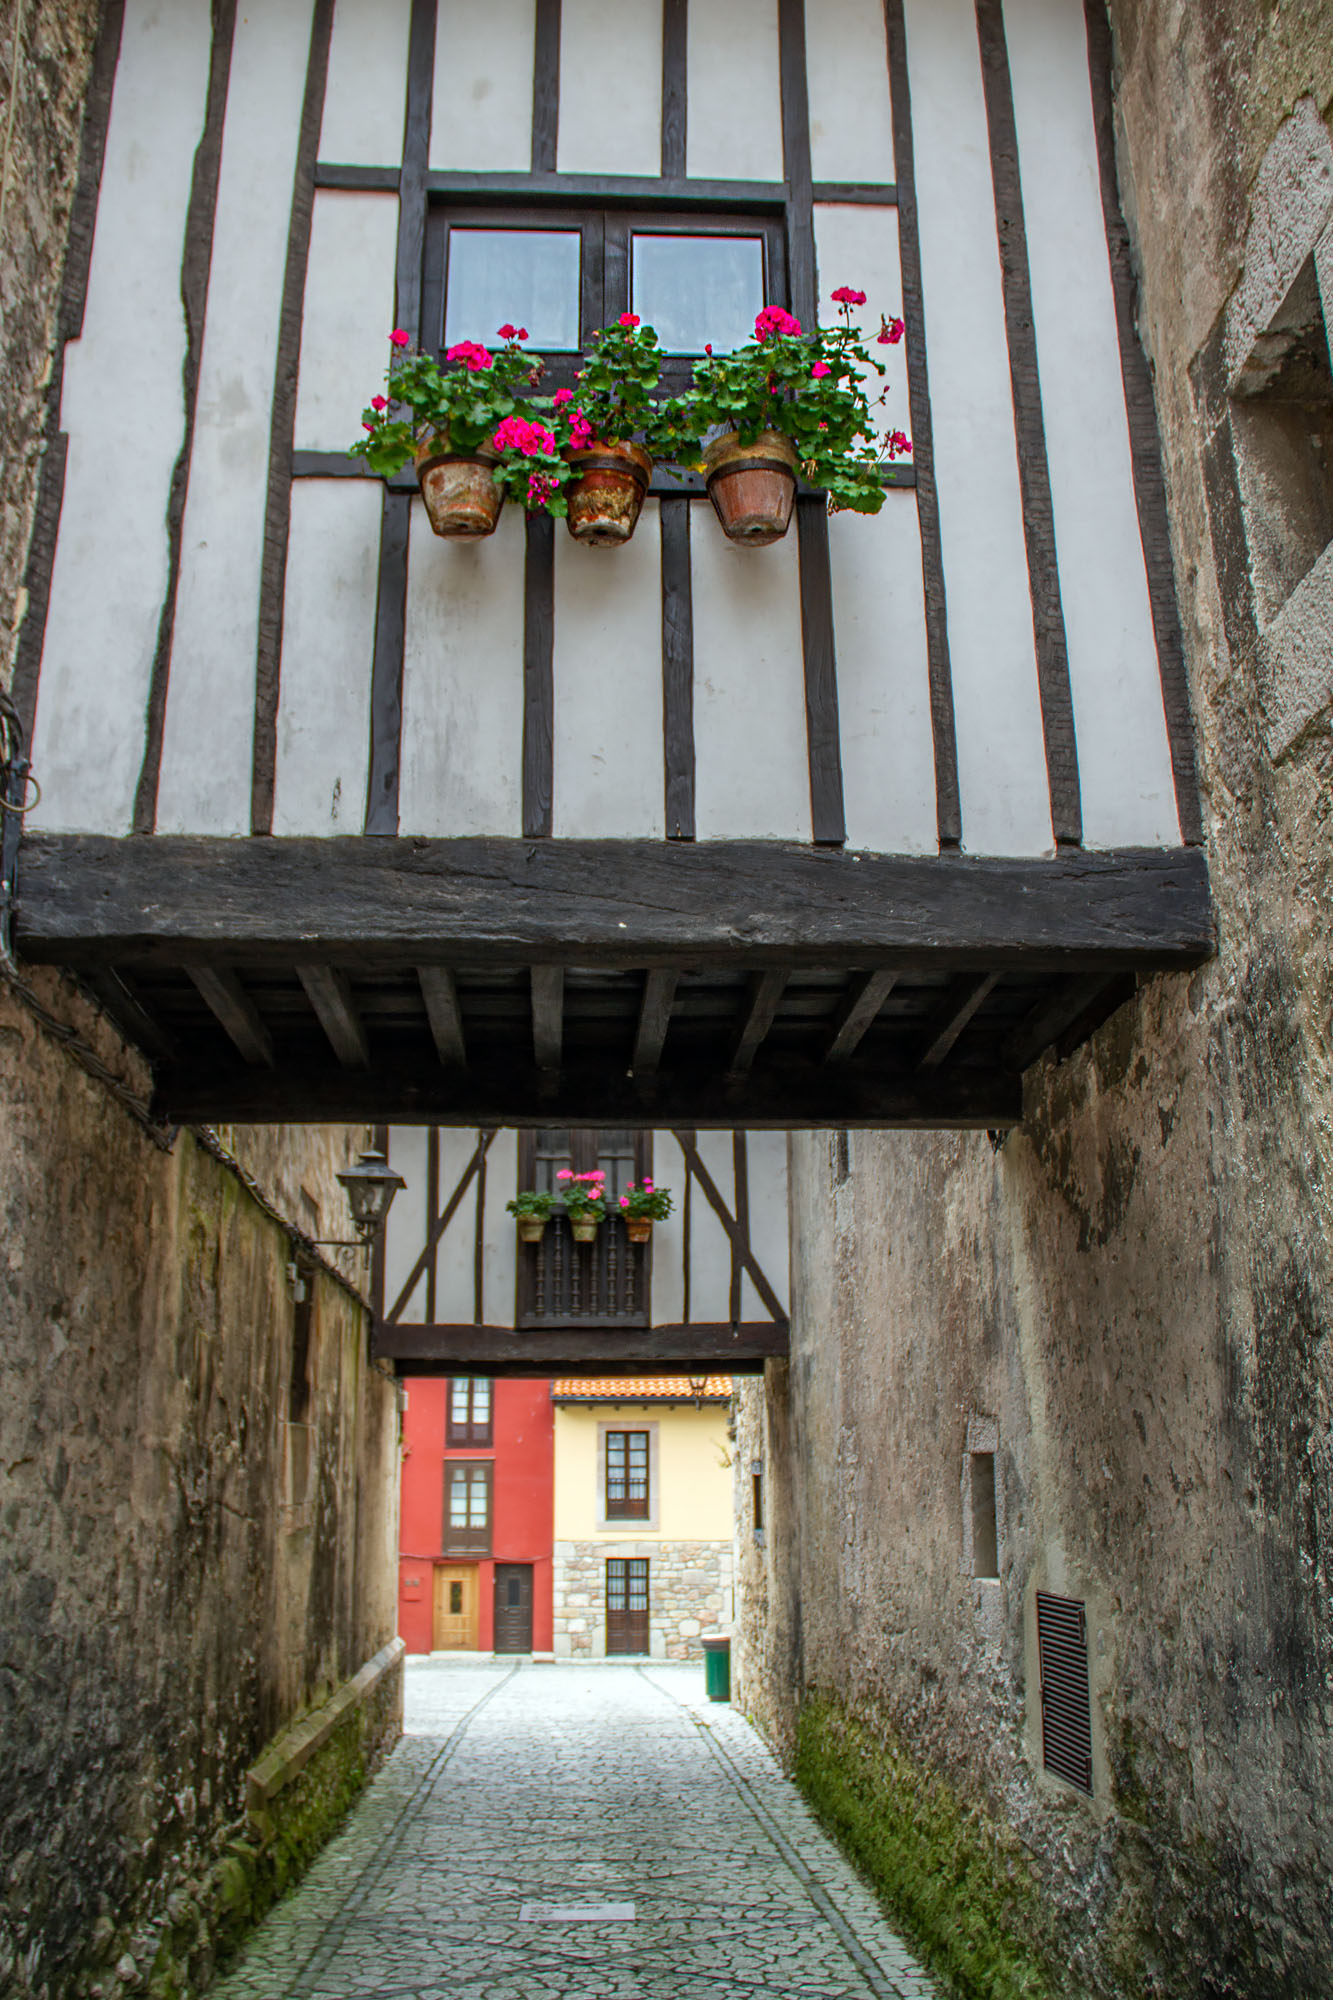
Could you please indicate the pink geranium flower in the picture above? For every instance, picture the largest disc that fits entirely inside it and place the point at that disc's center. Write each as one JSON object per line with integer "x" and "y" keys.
{"x": 563, "y": 396}
{"x": 507, "y": 332}
{"x": 519, "y": 434}
{"x": 471, "y": 354}
{"x": 898, "y": 444}
{"x": 820, "y": 368}
{"x": 379, "y": 402}
{"x": 580, "y": 430}
{"x": 400, "y": 337}
{"x": 775, "y": 319}
{"x": 890, "y": 332}
{"x": 565, "y": 1174}
{"x": 845, "y": 296}
{"x": 629, "y": 319}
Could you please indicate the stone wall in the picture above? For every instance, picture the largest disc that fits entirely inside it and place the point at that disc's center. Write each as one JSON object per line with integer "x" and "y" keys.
{"x": 689, "y": 1592}
{"x": 1132, "y": 1296}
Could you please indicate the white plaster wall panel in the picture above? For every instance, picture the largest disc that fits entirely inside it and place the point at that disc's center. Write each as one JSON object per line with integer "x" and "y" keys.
{"x": 481, "y": 117}
{"x": 767, "y": 1156}
{"x": 879, "y": 629}
{"x": 365, "y": 94}
{"x": 608, "y": 687}
{"x": 710, "y": 1246}
{"x": 752, "y": 774}
{"x": 668, "y": 1301}
{"x": 123, "y": 408}
{"x": 858, "y": 246}
{"x": 463, "y": 682}
{"x": 1124, "y": 755}
{"x": 328, "y": 640}
{"x": 847, "y": 77}
{"x": 348, "y": 315}
{"x": 1001, "y": 759}
{"x": 405, "y": 1230}
{"x": 455, "y": 1268}
{"x": 208, "y": 736}
{"x": 624, "y": 37}
{"x": 734, "y": 92}
{"x": 500, "y": 1240}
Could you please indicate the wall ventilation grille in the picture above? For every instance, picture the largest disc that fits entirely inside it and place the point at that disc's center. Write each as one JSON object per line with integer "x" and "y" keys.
{"x": 1066, "y": 1723}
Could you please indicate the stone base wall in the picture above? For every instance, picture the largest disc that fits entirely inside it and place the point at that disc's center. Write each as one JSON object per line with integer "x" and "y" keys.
{"x": 689, "y": 1592}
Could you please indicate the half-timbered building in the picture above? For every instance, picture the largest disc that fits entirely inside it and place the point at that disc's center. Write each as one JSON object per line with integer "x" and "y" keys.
{"x": 344, "y": 821}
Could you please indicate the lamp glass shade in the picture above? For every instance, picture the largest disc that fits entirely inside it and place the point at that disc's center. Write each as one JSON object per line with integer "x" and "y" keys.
{"x": 371, "y": 1186}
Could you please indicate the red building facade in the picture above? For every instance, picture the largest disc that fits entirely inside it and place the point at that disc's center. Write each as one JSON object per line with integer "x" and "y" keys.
{"x": 477, "y": 1519}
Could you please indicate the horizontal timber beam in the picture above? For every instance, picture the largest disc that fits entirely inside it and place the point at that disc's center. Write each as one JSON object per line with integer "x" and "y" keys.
{"x": 398, "y": 1090}
{"x": 85, "y": 900}
{"x": 500, "y": 1350}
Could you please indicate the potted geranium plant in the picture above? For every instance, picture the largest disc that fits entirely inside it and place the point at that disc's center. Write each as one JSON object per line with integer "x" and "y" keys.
{"x": 641, "y": 1207}
{"x": 584, "y": 1197}
{"x": 792, "y": 401}
{"x": 473, "y": 429}
{"x": 611, "y": 430}
{"x": 532, "y": 1208}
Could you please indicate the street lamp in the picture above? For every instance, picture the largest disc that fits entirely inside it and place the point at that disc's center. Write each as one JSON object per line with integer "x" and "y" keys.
{"x": 370, "y": 1186}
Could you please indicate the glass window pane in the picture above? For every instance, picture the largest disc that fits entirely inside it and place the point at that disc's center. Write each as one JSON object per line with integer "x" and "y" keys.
{"x": 457, "y": 1498}
{"x": 699, "y": 290}
{"x": 458, "y": 1412}
{"x": 481, "y": 1401}
{"x": 514, "y": 277}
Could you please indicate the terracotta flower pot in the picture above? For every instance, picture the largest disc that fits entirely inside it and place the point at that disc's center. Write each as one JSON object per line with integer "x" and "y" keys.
{"x": 639, "y": 1228}
{"x": 462, "y": 499}
{"x": 583, "y": 1228}
{"x": 752, "y": 486}
{"x": 606, "y": 497}
{"x": 531, "y": 1228}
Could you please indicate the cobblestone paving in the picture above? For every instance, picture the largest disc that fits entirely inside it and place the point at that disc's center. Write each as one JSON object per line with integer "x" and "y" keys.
{"x": 572, "y": 1787}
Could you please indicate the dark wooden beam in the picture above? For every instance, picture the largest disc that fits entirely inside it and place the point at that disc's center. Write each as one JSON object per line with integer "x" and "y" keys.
{"x": 961, "y": 1002}
{"x": 710, "y": 1345}
{"x": 865, "y": 996}
{"x": 236, "y": 1012}
{"x": 546, "y": 87}
{"x": 196, "y": 1086}
{"x": 87, "y": 899}
{"x": 329, "y": 992}
{"x": 675, "y": 36}
{"x": 677, "y": 669}
{"x": 539, "y": 676}
{"x": 440, "y": 994}
{"x": 1049, "y": 1018}
{"x": 762, "y": 1003}
{"x": 659, "y": 990}
{"x": 548, "y": 1015}
{"x": 130, "y": 1015}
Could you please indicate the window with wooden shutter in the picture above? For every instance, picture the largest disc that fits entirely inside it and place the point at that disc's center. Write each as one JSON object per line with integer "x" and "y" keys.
{"x": 627, "y": 1495}
{"x": 627, "y": 1604}
{"x": 603, "y": 1283}
{"x": 470, "y": 1404}
{"x": 1066, "y": 1717}
{"x": 467, "y": 1507}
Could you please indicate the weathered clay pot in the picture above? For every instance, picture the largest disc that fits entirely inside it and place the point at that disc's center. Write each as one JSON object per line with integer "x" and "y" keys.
{"x": 638, "y": 1228}
{"x": 607, "y": 495}
{"x": 462, "y": 499}
{"x": 752, "y": 486}
{"x": 531, "y": 1228}
{"x": 584, "y": 1228}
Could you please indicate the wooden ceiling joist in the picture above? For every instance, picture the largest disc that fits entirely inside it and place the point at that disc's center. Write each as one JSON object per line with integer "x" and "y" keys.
{"x": 330, "y": 994}
{"x": 236, "y": 1012}
{"x": 762, "y": 1003}
{"x": 439, "y": 992}
{"x": 864, "y": 998}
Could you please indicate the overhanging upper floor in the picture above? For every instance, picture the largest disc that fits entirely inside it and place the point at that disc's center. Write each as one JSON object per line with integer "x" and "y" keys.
{"x": 636, "y": 982}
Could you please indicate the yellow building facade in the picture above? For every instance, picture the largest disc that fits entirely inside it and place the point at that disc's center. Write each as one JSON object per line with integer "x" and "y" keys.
{"x": 643, "y": 1515}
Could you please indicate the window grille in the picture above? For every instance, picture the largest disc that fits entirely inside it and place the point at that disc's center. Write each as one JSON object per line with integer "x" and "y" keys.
{"x": 1066, "y": 1718}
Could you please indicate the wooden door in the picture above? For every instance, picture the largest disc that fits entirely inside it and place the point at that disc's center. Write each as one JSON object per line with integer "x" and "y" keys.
{"x": 513, "y": 1607}
{"x": 455, "y": 1622}
{"x": 627, "y": 1604}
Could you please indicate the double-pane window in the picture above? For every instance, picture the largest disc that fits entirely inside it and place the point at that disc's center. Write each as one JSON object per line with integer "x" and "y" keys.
{"x": 469, "y": 1410}
{"x": 467, "y": 1507}
{"x": 627, "y": 1496}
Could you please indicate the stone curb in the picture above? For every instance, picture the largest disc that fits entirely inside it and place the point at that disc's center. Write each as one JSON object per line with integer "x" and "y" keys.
{"x": 297, "y": 1745}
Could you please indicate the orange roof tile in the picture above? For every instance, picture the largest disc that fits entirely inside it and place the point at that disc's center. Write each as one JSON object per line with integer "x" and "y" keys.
{"x": 638, "y": 1389}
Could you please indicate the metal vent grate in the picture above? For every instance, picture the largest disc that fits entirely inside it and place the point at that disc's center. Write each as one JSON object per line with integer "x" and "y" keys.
{"x": 1066, "y": 1723}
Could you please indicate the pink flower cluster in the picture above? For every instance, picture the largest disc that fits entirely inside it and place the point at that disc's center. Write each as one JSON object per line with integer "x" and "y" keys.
{"x": 507, "y": 332}
{"x": 580, "y": 430}
{"x": 820, "y": 368}
{"x": 521, "y": 434}
{"x": 629, "y": 319}
{"x": 400, "y": 337}
{"x": 644, "y": 1187}
{"x": 540, "y": 488}
{"x": 845, "y": 296}
{"x": 897, "y": 444}
{"x": 775, "y": 319}
{"x": 471, "y": 354}
{"x": 566, "y": 1174}
{"x": 890, "y": 331}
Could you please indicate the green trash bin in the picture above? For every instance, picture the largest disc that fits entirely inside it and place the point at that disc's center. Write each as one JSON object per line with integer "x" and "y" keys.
{"x": 717, "y": 1667}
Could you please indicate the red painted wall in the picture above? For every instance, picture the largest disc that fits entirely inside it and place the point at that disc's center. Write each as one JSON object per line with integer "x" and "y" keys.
{"x": 523, "y": 1450}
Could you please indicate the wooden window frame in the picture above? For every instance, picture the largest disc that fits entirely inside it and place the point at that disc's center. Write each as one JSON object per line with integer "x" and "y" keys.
{"x": 471, "y": 1432}
{"x": 604, "y": 292}
{"x": 645, "y": 1523}
{"x": 468, "y": 1541}
{"x": 625, "y": 1507}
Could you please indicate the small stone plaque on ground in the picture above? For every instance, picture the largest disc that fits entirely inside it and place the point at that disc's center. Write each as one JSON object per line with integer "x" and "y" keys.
{"x": 576, "y": 1913}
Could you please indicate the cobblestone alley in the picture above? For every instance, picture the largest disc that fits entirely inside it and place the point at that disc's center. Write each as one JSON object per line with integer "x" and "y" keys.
{"x": 601, "y": 1833}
